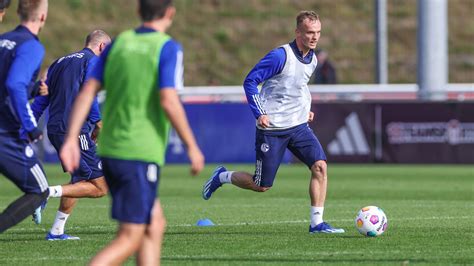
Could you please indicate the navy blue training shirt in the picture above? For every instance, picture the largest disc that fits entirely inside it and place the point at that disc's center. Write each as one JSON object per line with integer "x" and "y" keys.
{"x": 65, "y": 78}
{"x": 21, "y": 55}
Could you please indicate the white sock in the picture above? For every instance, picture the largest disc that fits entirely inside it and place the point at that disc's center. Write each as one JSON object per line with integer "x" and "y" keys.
{"x": 59, "y": 223}
{"x": 55, "y": 191}
{"x": 316, "y": 215}
{"x": 226, "y": 177}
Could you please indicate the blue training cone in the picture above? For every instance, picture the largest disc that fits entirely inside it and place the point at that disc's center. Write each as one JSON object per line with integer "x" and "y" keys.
{"x": 204, "y": 222}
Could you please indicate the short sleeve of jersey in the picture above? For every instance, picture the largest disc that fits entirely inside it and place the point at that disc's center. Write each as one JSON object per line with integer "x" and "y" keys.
{"x": 97, "y": 71}
{"x": 90, "y": 67}
{"x": 170, "y": 70}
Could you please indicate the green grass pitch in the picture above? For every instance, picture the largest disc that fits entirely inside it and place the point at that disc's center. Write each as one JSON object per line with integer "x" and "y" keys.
{"x": 430, "y": 212}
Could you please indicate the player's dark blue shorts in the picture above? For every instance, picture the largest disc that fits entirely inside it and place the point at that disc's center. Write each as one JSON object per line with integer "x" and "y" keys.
{"x": 90, "y": 166}
{"x": 133, "y": 186}
{"x": 18, "y": 163}
{"x": 270, "y": 147}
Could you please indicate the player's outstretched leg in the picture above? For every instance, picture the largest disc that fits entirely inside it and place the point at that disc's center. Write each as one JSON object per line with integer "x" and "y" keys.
{"x": 213, "y": 183}
{"x": 20, "y": 209}
{"x": 221, "y": 176}
{"x": 93, "y": 188}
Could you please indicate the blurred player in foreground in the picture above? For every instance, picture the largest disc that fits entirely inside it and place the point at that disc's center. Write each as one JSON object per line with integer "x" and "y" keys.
{"x": 282, "y": 110}
{"x": 4, "y": 4}
{"x": 21, "y": 55}
{"x": 140, "y": 72}
{"x": 65, "y": 77}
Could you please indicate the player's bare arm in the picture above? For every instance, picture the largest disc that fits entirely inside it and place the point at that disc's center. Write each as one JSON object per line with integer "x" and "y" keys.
{"x": 175, "y": 112}
{"x": 70, "y": 153}
{"x": 95, "y": 133}
{"x": 43, "y": 87}
{"x": 310, "y": 117}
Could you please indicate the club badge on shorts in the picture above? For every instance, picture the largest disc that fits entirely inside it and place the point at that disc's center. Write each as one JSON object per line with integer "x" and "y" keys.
{"x": 265, "y": 147}
{"x": 29, "y": 151}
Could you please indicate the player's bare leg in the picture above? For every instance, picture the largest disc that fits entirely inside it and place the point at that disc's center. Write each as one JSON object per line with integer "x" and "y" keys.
{"x": 221, "y": 176}
{"x": 150, "y": 251}
{"x": 245, "y": 180}
{"x": 318, "y": 184}
{"x": 67, "y": 204}
{"x": 127, "y": 242}
{"x": 94, "y": 188}
{"x": 317, "y": 192}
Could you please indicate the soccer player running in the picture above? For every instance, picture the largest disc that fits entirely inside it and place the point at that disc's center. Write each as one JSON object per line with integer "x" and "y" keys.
{"x": 21, "y": 55}
{"x": 140, "y": 72}
{"x": 282, "y": 110}
{"x": 4, "y": 4}
{"x": 64, "y": 80}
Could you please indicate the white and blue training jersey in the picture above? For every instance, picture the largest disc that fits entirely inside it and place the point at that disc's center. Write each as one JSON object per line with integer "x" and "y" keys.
{"x": 284, "y": 97}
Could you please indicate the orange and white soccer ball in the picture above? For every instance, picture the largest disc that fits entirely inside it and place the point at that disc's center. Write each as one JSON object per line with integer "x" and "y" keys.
{"x": 371, "y": 221}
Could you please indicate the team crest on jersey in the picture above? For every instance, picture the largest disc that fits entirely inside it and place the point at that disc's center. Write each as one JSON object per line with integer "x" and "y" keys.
{"x": 29, "y": 151}
{"x": 265, "y": 147}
